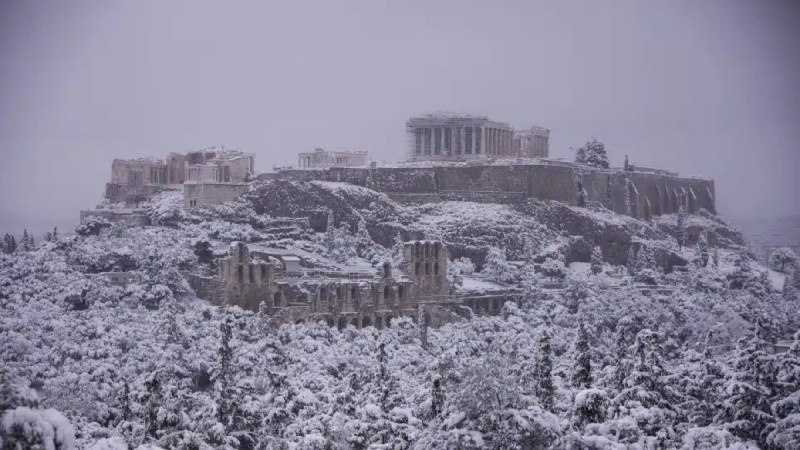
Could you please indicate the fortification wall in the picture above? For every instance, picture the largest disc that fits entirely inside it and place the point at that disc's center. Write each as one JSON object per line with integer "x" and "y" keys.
{"x": 651, "y": 193}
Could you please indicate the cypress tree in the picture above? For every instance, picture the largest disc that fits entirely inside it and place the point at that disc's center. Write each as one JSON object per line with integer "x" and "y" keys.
{"x": 582, "y": 377}
{"x": 437, "y": 398}
{"x": 543, "y": 373}
{"x": 597, "y": 260}
{"x": 422, "y": 322}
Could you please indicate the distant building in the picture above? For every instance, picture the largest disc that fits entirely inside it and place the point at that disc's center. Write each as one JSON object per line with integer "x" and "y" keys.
{"x": 215, "y": 174}
{"x": 462, "y": 137}
{"x": 320, "y": 159}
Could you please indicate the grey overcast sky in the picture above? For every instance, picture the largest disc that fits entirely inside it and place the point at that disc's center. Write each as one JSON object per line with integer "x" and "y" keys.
{"x": 700, "y": 87}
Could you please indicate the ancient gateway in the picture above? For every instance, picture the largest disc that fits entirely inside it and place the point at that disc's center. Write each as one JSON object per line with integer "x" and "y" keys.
{"x": 261, "y": 280}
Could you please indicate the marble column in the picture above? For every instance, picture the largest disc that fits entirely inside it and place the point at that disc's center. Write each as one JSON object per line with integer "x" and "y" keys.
{"x": 441, "y": 141}
{"x": 431, "y": 140}
{"x": 483, "y": 140}
{"x": 474, "y": 141}
{"x": 462, "y": 139}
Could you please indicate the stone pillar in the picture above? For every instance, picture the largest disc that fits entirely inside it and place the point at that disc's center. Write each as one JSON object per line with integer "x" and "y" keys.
{"x": 432, "y": 140}
{"x": 474, "y": 141}
{"x": 441, "y": 142}
{"x": 461, "y": 145}
{"x": 483, "y": 140}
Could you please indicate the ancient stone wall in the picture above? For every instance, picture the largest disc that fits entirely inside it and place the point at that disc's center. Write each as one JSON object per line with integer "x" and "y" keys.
{"x": 206, "y": 194}
{"x": 650, "y": 193}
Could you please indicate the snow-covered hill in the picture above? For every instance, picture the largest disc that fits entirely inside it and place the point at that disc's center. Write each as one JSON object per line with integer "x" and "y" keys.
{"x": 665, "y": 346}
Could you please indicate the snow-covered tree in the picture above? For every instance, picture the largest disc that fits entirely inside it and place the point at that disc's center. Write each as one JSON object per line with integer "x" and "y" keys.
{"x": 782, "y": 257}
{"x": 582, "y": 373}
{"x": 23, "y": 425}
{"x": 681, "y": 227}
{"x": 593, "y": 153}
{"x": 746, "y": 409}
{"x": 497, "y": 268}
{"x": 623, "y": 338}
{"x": 437, "y": 398}
{"x": 422, "y": 323}
{"x": 715, "y": 258}
{"x": 330, "y": 231}
{"x": 702, "y": 250}
{"x": 9, "y": 243}
{"x": 92, "y": 226}
{"x": 554, "y": 268}
{"x": 398, "y": 249}
{"x": 224, "y": 376}
{"x": 597, "y": 260}
{"x": 543, "y": 386}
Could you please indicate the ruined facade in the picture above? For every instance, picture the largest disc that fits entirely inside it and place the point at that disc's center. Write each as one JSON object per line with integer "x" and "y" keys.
{"x": 320, "y": 159}
{"x": 532, "y": 143}
{"x": 251, "y": 280}
{"x": 216, "y": 175}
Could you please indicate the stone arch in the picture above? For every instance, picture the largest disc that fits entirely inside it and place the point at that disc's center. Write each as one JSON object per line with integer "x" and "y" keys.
{"x": 389, "y": 321}
{"x": 329, "y": 321}
{"x": 354, "y": 322}
{"x": 387, "y": 270}
{"x": 342, "y": 324}
{"x": 427, "y": 317}
{"x": 299, "y": 321}
{"x": 276, "y": 298}
{"x": 387, "y": 293}
{"x": 436, "y": 268}
{"x": 366, "y": 321}
{"x": 427, "y": 268}
{"x": 379, "y": 322}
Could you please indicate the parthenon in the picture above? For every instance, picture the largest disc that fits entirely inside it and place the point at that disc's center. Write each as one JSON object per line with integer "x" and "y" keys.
{"x": 459, "y": 137}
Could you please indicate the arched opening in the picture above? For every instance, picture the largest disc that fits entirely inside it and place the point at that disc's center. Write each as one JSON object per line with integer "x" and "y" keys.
{"x": 436, "y": 249}
{"x": 388, "y": 321}
{"x": 342, "y": 323}
{"x": 240, "y": 275}
{"x": 379, "y": 322}
{"x": 387, "y": 293}
{"x": 436, "y": 268}
{"x": 354, "y": 322}
{"x": 366, "y": 322}
{"x": 418, "y": 250}
{"x": 427, "y": 318}
{"x": 354, "y": 292}
{"x": 400, "y": 292}
{"x": 427, "y": 268}
{"x": 387, "y": 270}
{"x": 416, "y": 268}
{"x": 276, "y": 299}
{"x": 299, "y": 321}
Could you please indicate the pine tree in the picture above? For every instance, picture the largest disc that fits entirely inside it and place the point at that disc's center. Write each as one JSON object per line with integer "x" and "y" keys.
{"x": 681, "y": 231}
{"x": 543, "y": 373}
{"x": 25, "y": 242}
{"x": 437, "y": 398}
{"x": 781, "y": 257}
{"x": 388, "y": 396}
{"x": 646, "y": 382}
{"x": 54, "y": 235}
{"x": 582, "y": 376}
{"x": 597, "y": 260}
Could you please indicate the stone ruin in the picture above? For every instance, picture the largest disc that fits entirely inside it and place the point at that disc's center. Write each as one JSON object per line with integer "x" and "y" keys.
{"x": 256, "y": 281}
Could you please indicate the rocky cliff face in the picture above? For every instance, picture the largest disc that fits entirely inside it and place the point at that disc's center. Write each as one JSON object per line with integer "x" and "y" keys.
{"x": 533, "y": 230}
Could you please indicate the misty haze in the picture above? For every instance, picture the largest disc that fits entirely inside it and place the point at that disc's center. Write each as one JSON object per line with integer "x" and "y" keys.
{"x": 400, "y": 225}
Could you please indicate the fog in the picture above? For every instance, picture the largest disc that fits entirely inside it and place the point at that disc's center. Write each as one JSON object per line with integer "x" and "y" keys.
{"x": 702, "y": 88}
